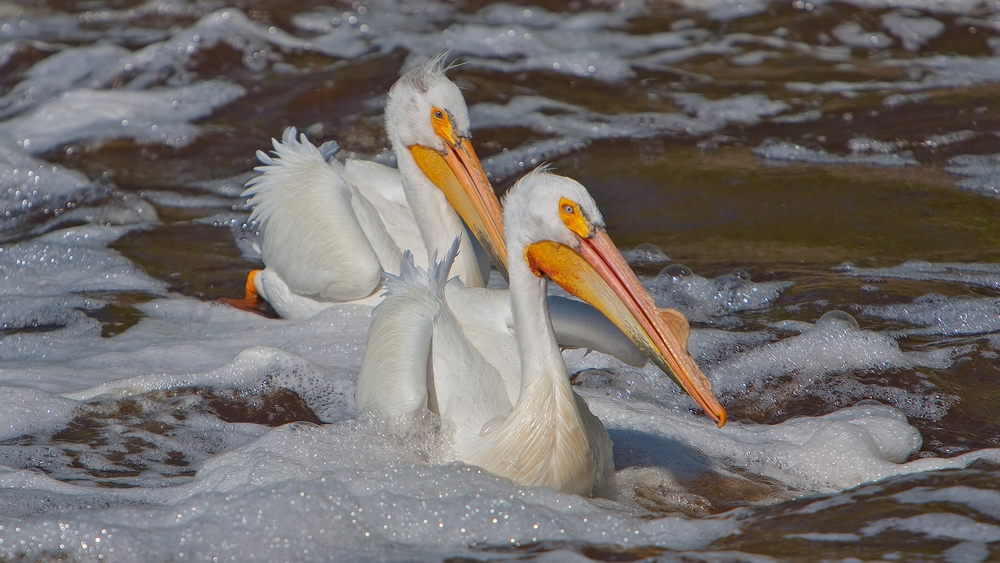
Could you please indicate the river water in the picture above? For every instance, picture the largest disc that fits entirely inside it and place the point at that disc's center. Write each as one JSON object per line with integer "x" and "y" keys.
{"x": 814, "y": 184}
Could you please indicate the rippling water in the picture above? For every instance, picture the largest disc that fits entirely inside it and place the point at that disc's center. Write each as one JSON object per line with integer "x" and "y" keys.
{"x": 814, "y": 184}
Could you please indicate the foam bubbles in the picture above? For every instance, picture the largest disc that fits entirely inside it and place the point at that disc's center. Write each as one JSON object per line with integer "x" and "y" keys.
{"x": 942, "y": 71}
{"x": 645, "y": 255}
{"x": 939, "y": 525}
{"x": 783, "y": 151}
{"x": 573, "y": 126}
{"x": 820, "y": 361}
{"x": 839, "y": 450}
{"x": 981, "y": 275}
{"x": 853, "y": 35}
{"x": 711, "y": 300}
{"x": 69, "y": 261}
{"x": 26, "y": 411}
{"x": 913, "y": 32}
{"x": 328, "y": 393}
{"x": 295, "y": 473}
{"x": 31, "y": 189}
{"x": 935, "y": 314}
{"x": 982, "y": 501}
{"x": 980, "y": 173}
{"x": 159, "y": 115}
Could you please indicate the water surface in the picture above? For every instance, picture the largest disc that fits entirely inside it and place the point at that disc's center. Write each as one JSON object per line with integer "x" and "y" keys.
{"x": 821, "y": 178}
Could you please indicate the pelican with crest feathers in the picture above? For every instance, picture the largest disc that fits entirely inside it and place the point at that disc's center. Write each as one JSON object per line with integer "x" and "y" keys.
{"x": 328, "y": 230}
{"x": 543, "y": 434}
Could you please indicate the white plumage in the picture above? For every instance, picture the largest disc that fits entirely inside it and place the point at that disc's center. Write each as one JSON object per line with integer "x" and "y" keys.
{"x": 328, "y": 229}
{"x": 523, "y": 422}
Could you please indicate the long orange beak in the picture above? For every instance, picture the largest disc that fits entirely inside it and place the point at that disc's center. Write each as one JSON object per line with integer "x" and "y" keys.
{"x": 458, "y": 173}
{"x": 599, "y": 275}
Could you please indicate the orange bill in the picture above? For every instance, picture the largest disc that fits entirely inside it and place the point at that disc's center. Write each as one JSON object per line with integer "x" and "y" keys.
{"x": 598, "y": 274}
{"x": 458, "y": 173}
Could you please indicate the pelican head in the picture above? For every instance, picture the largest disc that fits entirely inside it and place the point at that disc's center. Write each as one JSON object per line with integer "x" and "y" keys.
{"x": 426, "y": 115}
{"x": 564, "y": 237}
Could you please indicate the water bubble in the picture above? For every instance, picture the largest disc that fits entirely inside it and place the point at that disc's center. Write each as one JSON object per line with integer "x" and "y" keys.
{"x": 741, "y": 274}
{"x": 840, "y": 317}
{"x": 645, "y": 255}
{"x": 676, "y": 271}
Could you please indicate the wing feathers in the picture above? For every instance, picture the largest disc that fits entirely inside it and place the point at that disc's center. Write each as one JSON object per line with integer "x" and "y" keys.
{"x": 310, "y": 230}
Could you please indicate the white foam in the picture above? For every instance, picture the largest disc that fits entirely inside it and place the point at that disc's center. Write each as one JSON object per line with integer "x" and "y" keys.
{"x": 335, "y": 490}
{"x": 981, "y": 173}
{"x": 913, "y": 32}
{"x": 58, "y": 73}
{"x": 378, "y": 499}
{"x": 573, "y": 126}
{"x": 934, "y": 6}
{"x": 159, "y": 115}
{"x": 803, "y": 117}
{"x": 938, "y": 72}
{"x": 709, "y": 300}
{"x": 896, "y": 100}
{"x": 25, "y": 411}
{"x": 977, "y": 274}
{"x": 864, "y": 145}
{"x": 937, "y": 525}
{"x": 945, "y": 139}
{"x": 778, "y": 370}
{"x": 645, "y": 255}
{"x": 985, "y": 502}
{"x": 834, "y": 452}
{"x": 967, "y": 552}
{"x": 783, "y": 151}
{"x": 853, "y": 35}
{"x": 831, "y": 537}
{"x": 754, "y": 58}
{"x": 936, "y": 314}
{"x": 189, "y": 201}
{"x": 500, "y": 37}
{"x": 328, "y": 393}
{"x": 179, "y": 336}
{"x": 72, "y": 260}
{"x": 30, "y": 188}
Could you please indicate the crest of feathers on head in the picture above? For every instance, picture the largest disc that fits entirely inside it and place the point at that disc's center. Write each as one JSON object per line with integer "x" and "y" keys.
{"x": 437, "y": 65}
{"x": 541, "y": 169}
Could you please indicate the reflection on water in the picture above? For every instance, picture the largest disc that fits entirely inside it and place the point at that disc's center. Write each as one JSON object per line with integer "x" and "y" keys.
{"x": 812, "y": 183}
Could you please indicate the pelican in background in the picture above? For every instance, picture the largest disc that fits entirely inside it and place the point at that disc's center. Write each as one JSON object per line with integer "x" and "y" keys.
{"x": 418, "y": 357}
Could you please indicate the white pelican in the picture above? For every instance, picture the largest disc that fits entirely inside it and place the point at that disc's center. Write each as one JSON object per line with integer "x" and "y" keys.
{"x": 418, "y": 356}
{"x": 328, "y": 229}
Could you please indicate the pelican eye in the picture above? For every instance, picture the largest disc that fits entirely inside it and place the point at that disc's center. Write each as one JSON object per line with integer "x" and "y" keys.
{"x": 571, "y": 216}
{"x": 441, "y": 122}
